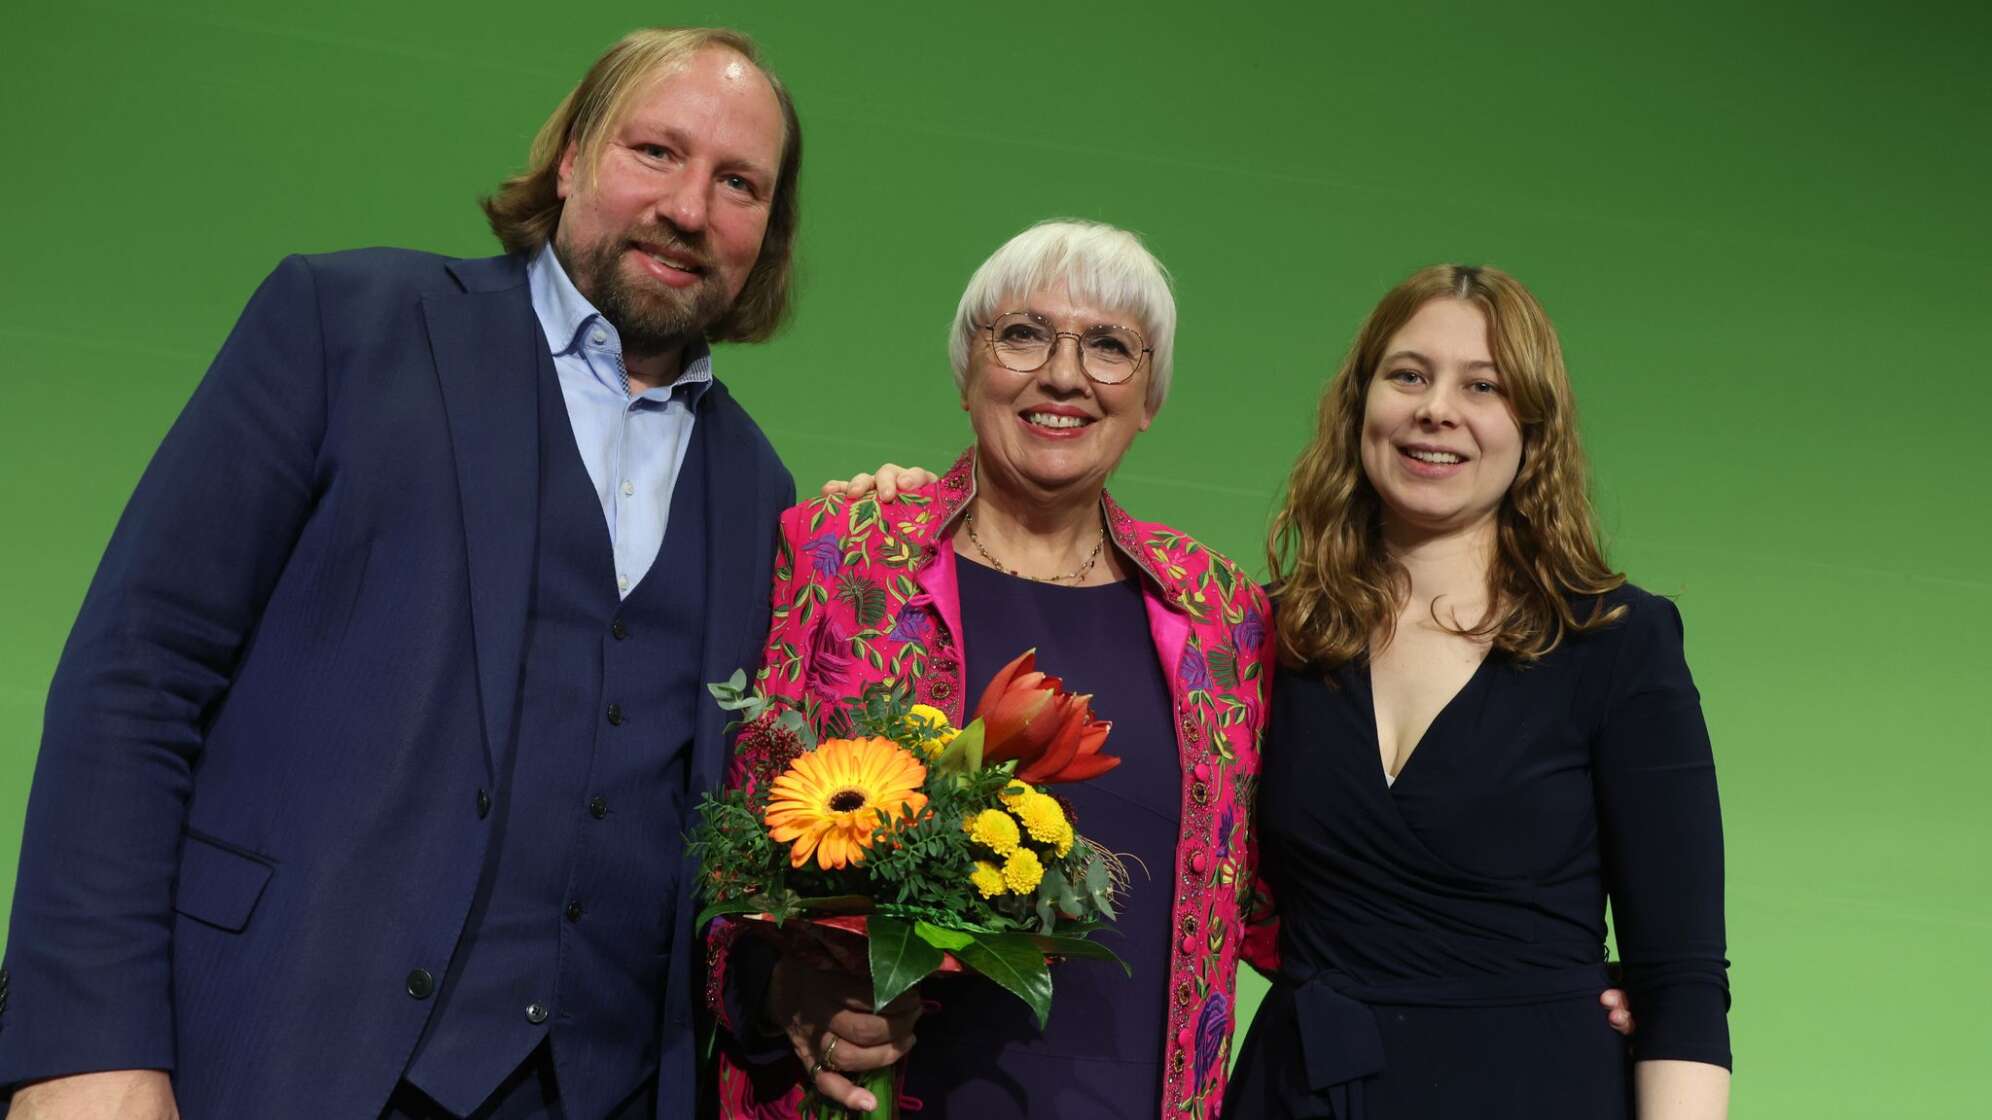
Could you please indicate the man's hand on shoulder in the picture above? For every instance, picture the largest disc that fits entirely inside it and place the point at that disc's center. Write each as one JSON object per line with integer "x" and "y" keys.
{"x": 889, "y": 481}
{"x": 119, "y": 1094}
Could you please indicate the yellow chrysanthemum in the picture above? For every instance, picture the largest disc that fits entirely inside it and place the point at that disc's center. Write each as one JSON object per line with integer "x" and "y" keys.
{"x": 993, "y": 829}
{"x": 1022, "y": 872}
{"x": 942, "y": 732}
{"x": 833, "y": 801}
{"x": 987, "y": 879}
{"x": 1041, "y": 817}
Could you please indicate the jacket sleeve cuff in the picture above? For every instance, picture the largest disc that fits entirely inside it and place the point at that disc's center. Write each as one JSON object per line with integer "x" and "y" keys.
{"x": 750, "y": 969}
{"x": 46, "y": 1033}
{"x": 1682, "y": 1022}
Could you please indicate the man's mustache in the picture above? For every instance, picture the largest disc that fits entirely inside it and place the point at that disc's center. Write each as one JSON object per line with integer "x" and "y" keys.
{"x": 676, "y": 243}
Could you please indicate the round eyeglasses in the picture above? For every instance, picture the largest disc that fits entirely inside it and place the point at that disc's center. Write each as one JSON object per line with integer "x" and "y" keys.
{"x": 1023, "y": 341}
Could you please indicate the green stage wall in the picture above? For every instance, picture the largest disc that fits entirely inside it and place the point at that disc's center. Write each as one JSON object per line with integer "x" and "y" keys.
{"x": 1762, "y": 230}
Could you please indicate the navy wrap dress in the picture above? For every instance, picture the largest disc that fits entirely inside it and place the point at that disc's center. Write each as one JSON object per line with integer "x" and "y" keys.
{"x": 1442, "y": 938}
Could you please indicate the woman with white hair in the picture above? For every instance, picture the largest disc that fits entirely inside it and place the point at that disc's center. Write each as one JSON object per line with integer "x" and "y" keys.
{"x": 1019, "y": 546}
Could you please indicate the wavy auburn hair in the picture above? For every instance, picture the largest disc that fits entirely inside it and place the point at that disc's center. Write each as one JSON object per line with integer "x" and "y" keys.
{"x": 1339, "y": 590}
{"x": 525, "y": 209}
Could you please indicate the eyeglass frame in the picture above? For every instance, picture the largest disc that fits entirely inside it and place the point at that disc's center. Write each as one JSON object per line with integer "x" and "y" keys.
{"x": 1077, "y": 337}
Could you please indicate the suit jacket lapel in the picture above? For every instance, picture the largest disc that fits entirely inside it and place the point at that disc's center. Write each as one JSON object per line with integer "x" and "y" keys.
{"x": 489, "y": 354}
{"x": 735, "y": 526}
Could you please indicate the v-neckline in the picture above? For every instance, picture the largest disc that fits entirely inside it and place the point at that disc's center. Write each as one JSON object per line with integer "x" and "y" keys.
{"x": 1391, "y": 781}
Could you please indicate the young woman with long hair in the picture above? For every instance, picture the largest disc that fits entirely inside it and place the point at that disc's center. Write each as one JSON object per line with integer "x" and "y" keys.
{"x": 1480, "y": 733}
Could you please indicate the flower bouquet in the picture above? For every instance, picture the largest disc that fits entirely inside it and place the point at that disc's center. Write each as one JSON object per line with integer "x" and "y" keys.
{"x": 934, "y": 847}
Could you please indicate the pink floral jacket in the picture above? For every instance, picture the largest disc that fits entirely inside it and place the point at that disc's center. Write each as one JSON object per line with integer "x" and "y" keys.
{"x": 865, "y": 592}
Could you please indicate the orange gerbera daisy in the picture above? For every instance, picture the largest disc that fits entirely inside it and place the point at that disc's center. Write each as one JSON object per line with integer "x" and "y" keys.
{"x": 833, "y": 801}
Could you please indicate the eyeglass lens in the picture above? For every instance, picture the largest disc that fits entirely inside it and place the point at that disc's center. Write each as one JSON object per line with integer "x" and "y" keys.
{"x": 1023, "y": 342}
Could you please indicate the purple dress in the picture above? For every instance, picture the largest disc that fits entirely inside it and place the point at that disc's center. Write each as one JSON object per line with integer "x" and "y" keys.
{"x": 981, "y": 1055}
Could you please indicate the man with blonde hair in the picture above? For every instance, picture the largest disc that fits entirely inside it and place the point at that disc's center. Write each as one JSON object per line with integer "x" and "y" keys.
{"x": 366, "y": 769}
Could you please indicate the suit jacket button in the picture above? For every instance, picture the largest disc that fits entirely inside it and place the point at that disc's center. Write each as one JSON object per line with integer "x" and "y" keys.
{"x": 573, "y": 911}
{"x": 598, "y": 807}
{"x": 536, "y": 1013}
{"x": 483, "y": 804}
{"x": 421, "y": 983}
{"x": 615, "y": 715}
{"x": 618, "y": 630}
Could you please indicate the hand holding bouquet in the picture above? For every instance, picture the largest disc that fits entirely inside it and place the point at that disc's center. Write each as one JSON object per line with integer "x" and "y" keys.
{"x": 936, "y": 846}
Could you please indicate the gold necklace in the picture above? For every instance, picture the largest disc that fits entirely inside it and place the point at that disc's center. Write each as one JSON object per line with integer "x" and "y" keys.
{"x": 968, "y": 519}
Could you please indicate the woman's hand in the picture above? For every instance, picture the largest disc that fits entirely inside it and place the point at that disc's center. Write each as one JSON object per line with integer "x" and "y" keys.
{"x": 827, "y": 1017}
{"x": 890, "y": 480}
{"x": 1618, "y": 1011}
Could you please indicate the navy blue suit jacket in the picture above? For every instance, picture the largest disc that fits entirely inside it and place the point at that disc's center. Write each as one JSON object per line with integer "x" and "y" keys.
{"x": 255, "y": 810}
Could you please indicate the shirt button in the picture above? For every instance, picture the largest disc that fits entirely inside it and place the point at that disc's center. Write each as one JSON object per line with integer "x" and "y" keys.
{"x": 536, "y": 1013}
{"x": 598, "y": 807}
{"x": 421, "y": 983}
{"x": 483, "y": 804}
{"x": 622, "y": 583}
{"x": 615, "y": 715}
{"x": 573, "y": 911}
{"x": 618, "y": 630}
{"x": 628, "y": 488}
{"x": 599, "y": 336}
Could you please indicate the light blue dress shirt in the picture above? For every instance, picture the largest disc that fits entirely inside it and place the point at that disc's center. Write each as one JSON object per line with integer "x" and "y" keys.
{"x": 633, "y": 446}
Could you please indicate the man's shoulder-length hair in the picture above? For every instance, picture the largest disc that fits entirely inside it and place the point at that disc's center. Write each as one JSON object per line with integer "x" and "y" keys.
{"x": 525, "y": 209}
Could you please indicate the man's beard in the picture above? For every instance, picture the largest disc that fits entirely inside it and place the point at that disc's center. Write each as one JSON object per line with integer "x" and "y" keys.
{"x": 650, "y": 317}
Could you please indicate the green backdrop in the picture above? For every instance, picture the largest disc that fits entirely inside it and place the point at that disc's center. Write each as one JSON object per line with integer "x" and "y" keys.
{"x": 1762, "y": 230}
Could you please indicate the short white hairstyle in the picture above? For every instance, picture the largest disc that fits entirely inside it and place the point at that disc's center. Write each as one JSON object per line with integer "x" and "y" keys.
{"x": 1099, "y": 264}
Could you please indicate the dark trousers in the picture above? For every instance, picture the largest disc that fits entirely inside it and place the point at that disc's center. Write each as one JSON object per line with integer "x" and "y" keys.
{"x": 530, "y": 1093}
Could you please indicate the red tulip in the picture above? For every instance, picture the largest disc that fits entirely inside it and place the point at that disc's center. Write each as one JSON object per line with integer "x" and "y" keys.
{"x": 1029, "y": 716}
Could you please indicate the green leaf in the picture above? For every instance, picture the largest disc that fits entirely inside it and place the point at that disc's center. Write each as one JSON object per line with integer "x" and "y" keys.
{"x": 899, "y": 958}
{"x": 1099, "y": 887}
{"x": 1225, "y": 576}
{"x": 867, "y": 600}
{"x": 1223, "y": 662}
{"x": 792, "y": 719}
{"x": 1067, "y": 899}
{"x": 964, "y": 752}
{"x": 729, "y": 908}
{"x": 836, "y": 904}
{"x": 946, "y": 940}
{"x": 1017, "y": 966}
{"x": 731, "y": 691}
{"x": 1047, "y": 913}
{"x": 1052, "y": 945}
